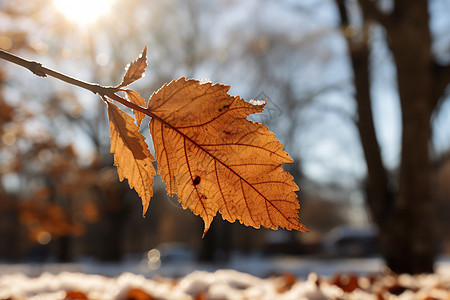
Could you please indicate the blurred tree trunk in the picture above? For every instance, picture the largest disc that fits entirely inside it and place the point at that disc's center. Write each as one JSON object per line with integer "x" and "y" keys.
{"x": 404, "y": 216}
{"x": 115, "y": 213}
{"x": 64, "y": 249}
{"x": 112, "y": 247}
{"x": 209, "y": 245}
{"x": 414, "y": 205}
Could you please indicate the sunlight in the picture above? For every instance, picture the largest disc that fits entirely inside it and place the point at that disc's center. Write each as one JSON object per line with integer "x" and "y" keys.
{"x": 83, "y": 12}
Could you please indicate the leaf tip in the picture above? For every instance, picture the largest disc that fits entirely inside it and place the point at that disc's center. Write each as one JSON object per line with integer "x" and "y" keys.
{"x": 144, "y": 208}
{"x": 135, "y": 70}
{"x": 297, "y": 225}
{"x": 207, "y": 226}
{"x": 302, "y": 228}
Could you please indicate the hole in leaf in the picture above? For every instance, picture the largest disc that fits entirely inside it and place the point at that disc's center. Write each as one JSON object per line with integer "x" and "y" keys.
{"x": 224, "y": 107}
{"x": 196, "y": 180}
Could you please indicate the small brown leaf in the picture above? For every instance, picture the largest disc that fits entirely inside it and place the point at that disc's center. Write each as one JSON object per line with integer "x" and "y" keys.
{"x": 214, "y": 159}
{"x": 288, "y": 280}
{"x": 75, "y": 295}
{"x": 131, "y": 154}
{"x": 348, "y": 283}
{"x": 137, "y": 294}
{"x": 135, "y": 69}
{"x": 201, "y": 296}
{"x": 136, "y": 98}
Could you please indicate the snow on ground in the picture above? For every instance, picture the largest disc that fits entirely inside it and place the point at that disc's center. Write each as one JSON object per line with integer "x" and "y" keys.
{"x": 16, "y": 282}
{"x": 255, "y": 264}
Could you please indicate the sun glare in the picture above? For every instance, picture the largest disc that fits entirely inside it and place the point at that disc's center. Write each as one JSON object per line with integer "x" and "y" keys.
{"x": 83, "y": 12}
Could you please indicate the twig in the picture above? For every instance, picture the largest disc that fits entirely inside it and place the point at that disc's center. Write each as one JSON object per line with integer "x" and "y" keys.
{"x": 371, "y": 11}
{"x": 39, "y": 70}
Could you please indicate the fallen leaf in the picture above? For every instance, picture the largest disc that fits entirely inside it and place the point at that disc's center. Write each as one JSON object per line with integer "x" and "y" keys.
{"x": 75, "y": 295}
{"x": 286, "y": 283}
{"x": 201, "y": 296}
{"x": 135, "y": 69}
{"x": 216, "y": 160}
{"x": 348, "y": 283}
{"x": 137, "y": 294}
{"x": 131, "y": 154}
{"x": 136, "y": 98}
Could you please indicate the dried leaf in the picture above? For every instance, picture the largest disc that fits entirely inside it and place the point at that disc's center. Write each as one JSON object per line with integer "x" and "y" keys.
{"x": 75, "y": 295}
{"x": 131, "y": 154}
{"x": 135, "y": 70}
{"x": 137, "y": 294}
{"x": 214, "y": 159}
{"x": 287, "y": 281}
{"x": 348, "y": 283}
{"x": 136, "y": 98}
{"x": 201, "y": 296}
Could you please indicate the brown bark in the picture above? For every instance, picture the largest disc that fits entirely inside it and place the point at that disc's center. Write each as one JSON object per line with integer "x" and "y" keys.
{"x": 409, "y": 248}
{"x": 378, "y": 191}
{"x": 405, "y": 216}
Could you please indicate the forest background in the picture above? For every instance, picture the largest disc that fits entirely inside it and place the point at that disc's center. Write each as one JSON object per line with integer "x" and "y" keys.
{"x": 339, "y": 98}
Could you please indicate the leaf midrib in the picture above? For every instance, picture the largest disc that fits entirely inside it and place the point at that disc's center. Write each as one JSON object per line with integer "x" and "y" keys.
{"x": 153, "y": 116}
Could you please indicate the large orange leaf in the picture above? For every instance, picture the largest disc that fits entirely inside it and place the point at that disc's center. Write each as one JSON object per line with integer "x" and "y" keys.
{"x": 131, "y": 154}
{"x": 216, "y": 160}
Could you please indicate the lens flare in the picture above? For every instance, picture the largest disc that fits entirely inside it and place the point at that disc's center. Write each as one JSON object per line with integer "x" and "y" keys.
{"x": 83, "y": 12}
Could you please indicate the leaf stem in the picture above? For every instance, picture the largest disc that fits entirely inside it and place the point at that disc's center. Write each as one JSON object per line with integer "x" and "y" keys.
{"x": 129, "y": 104}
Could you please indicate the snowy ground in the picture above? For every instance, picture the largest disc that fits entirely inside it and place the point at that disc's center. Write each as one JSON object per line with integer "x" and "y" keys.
{"x": 242, "y": 278}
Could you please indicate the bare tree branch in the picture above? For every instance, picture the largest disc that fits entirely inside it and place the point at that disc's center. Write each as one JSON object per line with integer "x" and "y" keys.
{"x": 372, "y": 12}
{"x": 342, "y": 12}
{"x": 441, "y": 81}
{"x": 39, "y": 70}
{"x": 378, "y": 192}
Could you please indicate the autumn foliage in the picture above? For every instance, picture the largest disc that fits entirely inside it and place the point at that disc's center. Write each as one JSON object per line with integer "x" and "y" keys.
{"x": 207, "y": 152}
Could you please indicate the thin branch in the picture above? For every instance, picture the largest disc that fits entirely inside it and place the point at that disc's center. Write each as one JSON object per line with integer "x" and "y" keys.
{"x": 441, "y": 75}
{"x": 39, "y": 70}
{"x": 342, "y": 12}
{"x": 371, "y": 11}
{"x": 378, "y": 191}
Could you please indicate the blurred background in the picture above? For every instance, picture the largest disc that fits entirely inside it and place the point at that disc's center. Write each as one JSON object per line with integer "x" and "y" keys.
{"x": 60, "y": 197}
